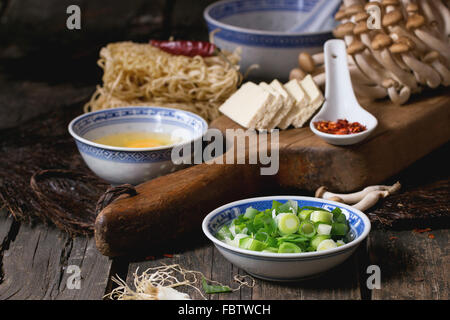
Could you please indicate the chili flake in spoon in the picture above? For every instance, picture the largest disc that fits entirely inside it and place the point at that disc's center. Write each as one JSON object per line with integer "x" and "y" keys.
{"x": 341, "y": 126}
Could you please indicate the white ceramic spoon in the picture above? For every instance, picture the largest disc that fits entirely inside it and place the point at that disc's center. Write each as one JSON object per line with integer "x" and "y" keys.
{"x": 340, "y": 100}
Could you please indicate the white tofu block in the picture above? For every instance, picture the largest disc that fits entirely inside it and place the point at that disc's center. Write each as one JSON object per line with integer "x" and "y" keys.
{"x": 301, "y": 101}
{"x": 287, "y": 106}
{"x": 315, "y": 98}
{"x": 248, "y": 105}
{"x": 273, "y": 109}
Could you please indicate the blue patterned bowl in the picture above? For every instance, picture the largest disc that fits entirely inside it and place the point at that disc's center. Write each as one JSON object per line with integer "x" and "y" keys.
{"x": 260, "y": 28}
{"x": 119, "y": 165}
{"x": 285, "y": 266}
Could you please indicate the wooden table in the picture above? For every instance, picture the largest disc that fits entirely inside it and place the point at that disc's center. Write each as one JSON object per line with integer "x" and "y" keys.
{"x": 35, "y": 260}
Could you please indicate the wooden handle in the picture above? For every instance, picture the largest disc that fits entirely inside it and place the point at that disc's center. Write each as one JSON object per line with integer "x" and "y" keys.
{"x": 171, "y": 206}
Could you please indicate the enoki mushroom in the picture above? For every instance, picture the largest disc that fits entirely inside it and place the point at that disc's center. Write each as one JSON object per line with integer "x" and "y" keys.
{"x": 409, "y": 52}
{"x": 159, "y": 283}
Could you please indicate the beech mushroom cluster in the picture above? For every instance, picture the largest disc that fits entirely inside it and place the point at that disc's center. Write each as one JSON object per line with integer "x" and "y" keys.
{"x": 361, "y": 200}
{"x": 410, "y": 51}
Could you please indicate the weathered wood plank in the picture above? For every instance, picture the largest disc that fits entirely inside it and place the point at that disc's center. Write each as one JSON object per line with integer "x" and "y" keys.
{"x": 95, "y": 271}
{"x": 337, "y": 284}
{"x": 412, "y": 265}
{"x": 224, "y": 272}
{"x": 7, "y": 228}
{"x": 34, "y": 266}
{"x": 340, "y": 283}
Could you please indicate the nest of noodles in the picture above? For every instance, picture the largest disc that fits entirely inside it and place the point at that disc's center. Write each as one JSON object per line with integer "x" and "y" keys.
{"x": 140, "y": 74}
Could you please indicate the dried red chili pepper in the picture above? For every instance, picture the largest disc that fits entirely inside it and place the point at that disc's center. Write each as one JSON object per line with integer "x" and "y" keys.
{"x": 186, "y": 47}
{"x": 340, "y": 127}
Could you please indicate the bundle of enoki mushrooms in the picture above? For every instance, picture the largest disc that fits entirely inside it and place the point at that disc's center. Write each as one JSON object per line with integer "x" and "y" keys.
{"x": 141, "y": 74}
{"x": 409, "y": 51}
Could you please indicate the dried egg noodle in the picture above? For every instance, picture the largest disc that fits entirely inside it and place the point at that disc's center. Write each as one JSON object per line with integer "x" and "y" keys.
{"x": 139, "y": 74}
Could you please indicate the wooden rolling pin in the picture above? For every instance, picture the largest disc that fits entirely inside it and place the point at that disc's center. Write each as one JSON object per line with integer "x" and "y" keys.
{"x": 169, "y": 207}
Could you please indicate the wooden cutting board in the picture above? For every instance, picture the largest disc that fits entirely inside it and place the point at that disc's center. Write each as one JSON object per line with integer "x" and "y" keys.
{"x": 404, "y": 135}
{"x": 167, "y": 208}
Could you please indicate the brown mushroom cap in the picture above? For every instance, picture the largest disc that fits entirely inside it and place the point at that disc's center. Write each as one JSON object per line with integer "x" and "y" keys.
{"x": 361, "y": 16}
{"x": 297, "y": 73}
{"x": 399, "y": 47}
{"x": 381, "y": 41}
{"x": 360, "y": 27}
{"x": 354, "y": 9}
{"x": 415, "y": 21}
{"x": 412, "y": 8}
{"x": 343, "y": 29}
{"x": 306, "y": 62}
{"x": 392, "y": 18}
{"x": 340, "y": 15}
{"x": 431, "y": 56}
{"x": 355, "y": 47}
{"x": 388, "y": 83}
{"x": 407, "y": 41}
{"x": 320, "y": 192}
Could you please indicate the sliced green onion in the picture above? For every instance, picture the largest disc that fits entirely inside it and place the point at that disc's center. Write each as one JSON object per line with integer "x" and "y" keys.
{"x": 261, "y": 236}
{"x": 340, "y": 243}
{"x": 284, "y": 208}
{"x": 250, "y": 213}
{"x": 341, "y": 218}
{"x": 224, "y": 233}
{"x": 287, "y": 247}
{"x": 251, "y": 244}
{"x": 324, "y": 229}
{"x": 339, "y": 229}
{"x": 317, "y": 240}
{"x": 288, "y": 223}
{"x": 326, "y": 245}
{"x": 304, "y": 214}
{"x": 293, "y": 205}
{"x": 307, "y": 229}
{"x": 235, "y": 242}
{"x": 321, "y": 216}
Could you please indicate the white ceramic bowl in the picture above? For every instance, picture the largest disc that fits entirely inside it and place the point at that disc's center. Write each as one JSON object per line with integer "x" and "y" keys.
{"x": 260, "y": 27}
{"x": 119, "y": 165}
{"x": 285, "y": 266}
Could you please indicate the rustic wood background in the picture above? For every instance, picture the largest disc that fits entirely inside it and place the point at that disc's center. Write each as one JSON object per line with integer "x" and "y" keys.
{"x": 38, "y": 52}
{"x": 44, "y": 66}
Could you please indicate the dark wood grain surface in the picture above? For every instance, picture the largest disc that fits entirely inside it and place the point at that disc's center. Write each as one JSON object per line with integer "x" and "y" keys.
{"x": 413, "y": 261}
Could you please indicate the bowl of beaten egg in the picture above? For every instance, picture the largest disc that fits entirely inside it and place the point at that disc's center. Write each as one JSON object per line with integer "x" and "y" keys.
{"x": 135, "y": 144}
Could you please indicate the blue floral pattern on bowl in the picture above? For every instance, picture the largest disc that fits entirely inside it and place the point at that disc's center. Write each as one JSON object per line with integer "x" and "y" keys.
{"x": 219, "y": 11}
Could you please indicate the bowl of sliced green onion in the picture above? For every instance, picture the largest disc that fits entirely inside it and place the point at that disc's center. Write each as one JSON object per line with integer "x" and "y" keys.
{"x": 286, "y": 238}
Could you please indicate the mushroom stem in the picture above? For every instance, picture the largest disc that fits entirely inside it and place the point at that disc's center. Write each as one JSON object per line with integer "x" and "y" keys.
{"x": 370, "y": 200}
{"x": 434, "y": 43}
{"x": 425, "y": 72}
{"x": 445, "y": 12}
{"x": 399, "y": 97}
{"x": 372, "y": 92}
{"x": 352, "y": 198}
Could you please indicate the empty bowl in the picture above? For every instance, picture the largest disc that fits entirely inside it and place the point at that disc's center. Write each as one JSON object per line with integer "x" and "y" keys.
{"x": 263, "y": 30}
{"x": 118, "y": 165}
